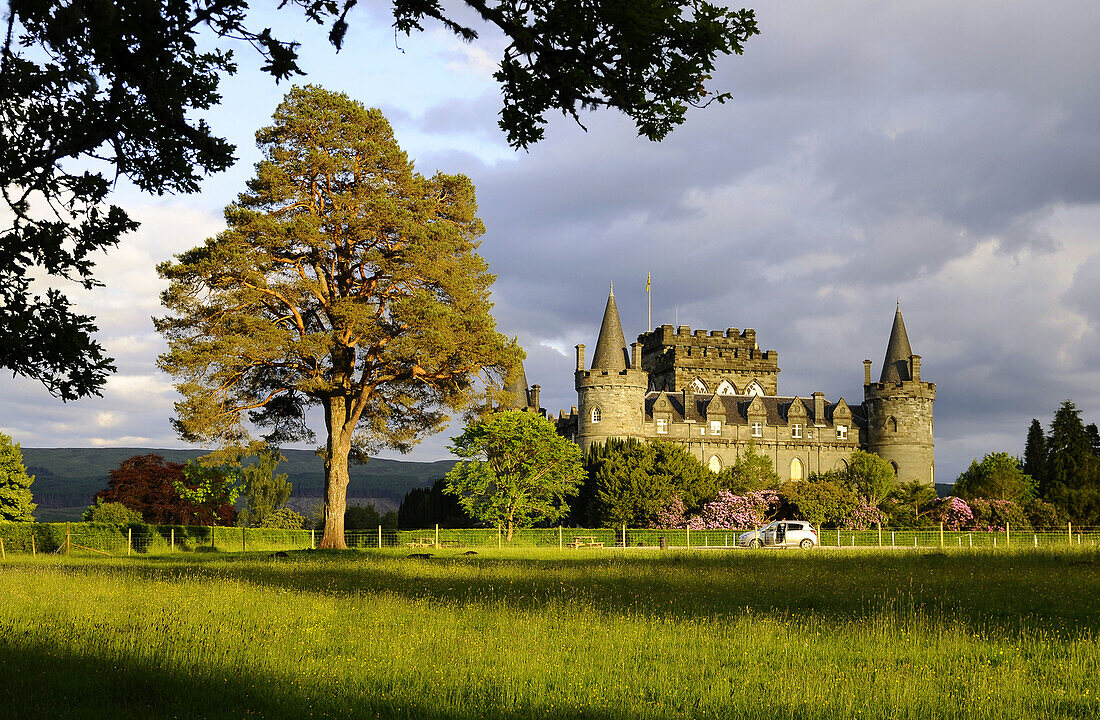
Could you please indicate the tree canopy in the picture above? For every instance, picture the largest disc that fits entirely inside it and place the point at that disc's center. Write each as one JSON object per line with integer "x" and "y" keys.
{"x": 997, "y": 477}
{"x": 517, "y": 470}
{"x": 150, "y": 485}
{"x": 870, "y": 476}
{"x": 16, "y": 501}
{"x": 264, "y": 490}
{"x": 752, "y": 471}
{"x": 123, "y": 84}
{"x": 344, "y": 281}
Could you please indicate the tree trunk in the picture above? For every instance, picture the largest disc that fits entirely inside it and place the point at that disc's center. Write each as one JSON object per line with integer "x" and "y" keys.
{"x": 336, "y": 474}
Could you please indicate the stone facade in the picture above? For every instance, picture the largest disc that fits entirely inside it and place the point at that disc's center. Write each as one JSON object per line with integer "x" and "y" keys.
{"x": 715, "y": 392}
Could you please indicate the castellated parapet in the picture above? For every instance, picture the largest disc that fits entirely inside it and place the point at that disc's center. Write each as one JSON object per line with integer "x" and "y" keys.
{"x": 677, "y": 358}
{"x": 716, "y": 394}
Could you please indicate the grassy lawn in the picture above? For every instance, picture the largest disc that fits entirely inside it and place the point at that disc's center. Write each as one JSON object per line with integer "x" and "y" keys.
{"x": 596, "y": 634}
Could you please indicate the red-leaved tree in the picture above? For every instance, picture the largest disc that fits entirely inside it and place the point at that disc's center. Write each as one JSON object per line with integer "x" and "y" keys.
{"x": 147, "y": 484}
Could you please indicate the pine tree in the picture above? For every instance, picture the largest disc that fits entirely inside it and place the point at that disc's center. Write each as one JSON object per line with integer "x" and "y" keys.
{"x": 265, "y": 491}
{"x": 345, "y": 280}
{"x": 1035, "y": 453}
{"x": 1072, "y": 479}
{"x": 15, "y": 484}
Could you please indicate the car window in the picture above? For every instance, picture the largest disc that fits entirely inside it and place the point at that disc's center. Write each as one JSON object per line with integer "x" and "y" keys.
{"x": 794, "y": 526}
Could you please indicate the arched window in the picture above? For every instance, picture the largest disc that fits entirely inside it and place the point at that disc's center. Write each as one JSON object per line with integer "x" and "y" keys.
{"x": 714, "y": 464}
{"x": 595, "y": 415}
{"x": 754, "y": 388}
{"x": 796, "y": 469}
{"x": 891, "y": 424}
{"x": 698, "y": 386}
{"x": 841, "y": 465}
{"x": 894, "y": 465}
{"x": 725, "y": 388}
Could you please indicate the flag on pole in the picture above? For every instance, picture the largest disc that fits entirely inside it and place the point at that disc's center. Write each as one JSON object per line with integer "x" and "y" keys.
{"x": 648, "y": 277}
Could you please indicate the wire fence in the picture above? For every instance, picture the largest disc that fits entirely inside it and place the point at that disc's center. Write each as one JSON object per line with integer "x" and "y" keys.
{"x": 91, "y": 539}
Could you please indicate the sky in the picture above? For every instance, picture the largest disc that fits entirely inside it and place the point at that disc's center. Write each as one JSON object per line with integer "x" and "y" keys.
{"x": 938, "y": 154}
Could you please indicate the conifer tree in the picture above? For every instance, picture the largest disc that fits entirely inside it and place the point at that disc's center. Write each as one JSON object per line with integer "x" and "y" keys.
{"x": 345, "y": 281}
{"x": 264, "y": 490}
{"x": 1072, "y": 478}
{"x": 1035, "y": 453}
{"x": 15, "y": 484}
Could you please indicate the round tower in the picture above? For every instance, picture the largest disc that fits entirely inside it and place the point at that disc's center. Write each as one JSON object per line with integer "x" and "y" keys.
{"x": 899, "y": 411}
{"x": 611, "y": 394}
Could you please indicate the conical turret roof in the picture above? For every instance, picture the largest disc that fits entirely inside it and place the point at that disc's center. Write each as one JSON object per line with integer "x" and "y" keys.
{"x": 896, "y": 366}
{"x": 611, "y": 346}
{"x": 517, "y": 386}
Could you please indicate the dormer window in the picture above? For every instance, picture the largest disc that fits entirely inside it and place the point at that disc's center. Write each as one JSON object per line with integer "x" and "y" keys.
{"x": 841, "y": 432}
{"x": 715, "y": 427}
{"x": 662, "y": 426}
{"x": 796, "y": 430}
{"x": 595, "y": 415}
{"x": 758, "y": 429}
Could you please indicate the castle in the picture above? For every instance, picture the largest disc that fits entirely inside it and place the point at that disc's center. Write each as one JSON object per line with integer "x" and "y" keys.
{"x": 715, "y": 392}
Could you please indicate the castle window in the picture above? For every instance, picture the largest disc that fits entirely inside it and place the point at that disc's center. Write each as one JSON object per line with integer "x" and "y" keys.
{"x": 715, "y": 427}
{"x": 698, "y": 386}
{"x": 662, "y": 426}
{"x": 894, "y": 465}
{"x": 714, "y": 464}
{"x": 841, "y": 432}
{"x": 595, "y": 415}
{"x": 891, "y": 424}
{"x": 796, "y": 430}
{"x": 796, "y": 469}
{"x": 758, "y": 429}
{"x": 754, "y": 388}
{"x": 725, "y": 388}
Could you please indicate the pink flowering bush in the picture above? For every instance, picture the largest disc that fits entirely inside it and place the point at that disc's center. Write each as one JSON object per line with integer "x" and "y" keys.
{"x": 671, "y": 515}
{"x": 953, "y": 512}
{"x": 736, "y": 511}
{"x": 864, "y": 517}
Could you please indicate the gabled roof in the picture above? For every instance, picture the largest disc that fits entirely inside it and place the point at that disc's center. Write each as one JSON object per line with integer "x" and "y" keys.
{"x": 735, "y": 408}
{"x": 611, "y": 345}
{"x": 895, "y": 368}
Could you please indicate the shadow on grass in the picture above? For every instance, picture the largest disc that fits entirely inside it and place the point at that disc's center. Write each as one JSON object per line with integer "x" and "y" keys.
{"x": 1006, "y": 593}
{"x": 41, "y": 681}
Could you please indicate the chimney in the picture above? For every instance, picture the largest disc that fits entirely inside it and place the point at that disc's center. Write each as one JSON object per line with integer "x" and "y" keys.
{"x": 636, "y": 355}
{"x": 866, "y": 371}
{"x": 914, "y": 367}
{"x": 580, "y": 357}
{"x": 819, "y": 409}
{"x": 534, "y": 398}
{"x": 689, "y": 403}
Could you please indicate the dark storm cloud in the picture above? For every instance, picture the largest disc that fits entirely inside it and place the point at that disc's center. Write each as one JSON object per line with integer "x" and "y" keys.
{"x": 871, "y": 151}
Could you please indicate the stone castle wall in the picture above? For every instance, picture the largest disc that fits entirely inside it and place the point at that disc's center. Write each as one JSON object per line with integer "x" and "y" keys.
{"x": 674, "y": 358}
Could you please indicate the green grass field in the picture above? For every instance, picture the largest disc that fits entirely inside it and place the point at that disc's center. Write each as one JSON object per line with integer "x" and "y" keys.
{"x": 593, "y": 634}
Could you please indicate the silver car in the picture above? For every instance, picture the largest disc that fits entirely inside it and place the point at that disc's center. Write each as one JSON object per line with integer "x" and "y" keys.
{"x": 781, "y": 533}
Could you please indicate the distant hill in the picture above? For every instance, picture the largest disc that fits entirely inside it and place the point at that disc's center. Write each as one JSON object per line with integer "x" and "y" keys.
{"x": 67, "y": 478}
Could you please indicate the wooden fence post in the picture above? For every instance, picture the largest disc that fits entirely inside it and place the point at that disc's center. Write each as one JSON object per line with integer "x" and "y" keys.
{"x": 1008, "y": 534}
{"x": 941, "y": 534}
{"x": 3, "y": 555}
{"x": 312, "y": 539}
{"x": 498, "y": 537}
{"x": 1069, "y": 532}
{"x": 129, "y": 540}
{"x": 624, "y": 535}
{"x": 379, "y": 537}
{"x": 242, "y": 539}
{"x": 34, "y": 550}
{"x": 688, "y": 541}
{"x": 879, "y": 534}
{"x": 437, "y": 535}
{"x": 172, "y": 535}
{"x": 68, "y": 537}
{"x": 559, "y": 538}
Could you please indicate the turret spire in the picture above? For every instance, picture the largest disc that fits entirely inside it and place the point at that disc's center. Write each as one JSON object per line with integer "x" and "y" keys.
{"x": 517, "y": 386}
{"x": 896, "y": 366}
{"x": 611, "y": 346}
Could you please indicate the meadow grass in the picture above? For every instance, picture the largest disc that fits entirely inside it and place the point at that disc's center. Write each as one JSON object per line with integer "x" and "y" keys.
{"x": 597, "y": 634}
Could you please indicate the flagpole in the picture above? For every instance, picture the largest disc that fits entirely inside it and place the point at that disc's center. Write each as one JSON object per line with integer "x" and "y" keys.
{"x": 649, "y": 299}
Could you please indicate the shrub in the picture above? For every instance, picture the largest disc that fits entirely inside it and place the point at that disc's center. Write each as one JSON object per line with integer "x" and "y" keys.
{"x": 997, "y": 515}
{"x": 819, "y": 501}
{"x": 1044, "y": 515}
{"x": 953, "y": 512}
{"x": 864, "y": 517}
{"x": 112, "y": 513}
{"x": 737, "y": 511}
{"x": 284, "y": 519}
